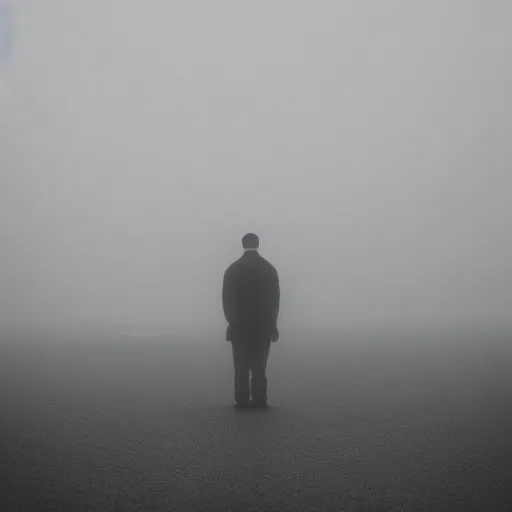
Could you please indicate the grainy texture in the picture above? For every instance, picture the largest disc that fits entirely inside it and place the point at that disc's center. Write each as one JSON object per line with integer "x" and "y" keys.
{"x": 108, "y": 427}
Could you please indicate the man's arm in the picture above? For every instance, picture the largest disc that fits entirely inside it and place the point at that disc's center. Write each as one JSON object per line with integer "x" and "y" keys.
{"x": 275, "y": 298}
{"x": 227, "y": 297}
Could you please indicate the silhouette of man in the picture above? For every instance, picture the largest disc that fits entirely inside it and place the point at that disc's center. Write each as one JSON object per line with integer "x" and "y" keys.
{"x": 250, "y": 298}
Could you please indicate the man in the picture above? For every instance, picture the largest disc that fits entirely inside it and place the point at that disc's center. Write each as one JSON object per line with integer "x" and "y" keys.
{"x": 250, "y": 298}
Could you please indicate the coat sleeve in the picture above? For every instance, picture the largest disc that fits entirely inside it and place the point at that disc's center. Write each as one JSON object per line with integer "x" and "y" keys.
{"x": 227, "y": 297}
{"x": 276, "y": 297}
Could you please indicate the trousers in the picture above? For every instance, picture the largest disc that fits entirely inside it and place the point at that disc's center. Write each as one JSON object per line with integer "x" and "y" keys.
{"x": 250, "y": 358}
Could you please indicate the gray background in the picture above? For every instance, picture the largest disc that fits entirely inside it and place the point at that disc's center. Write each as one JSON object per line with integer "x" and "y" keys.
{"x": 367, "y": 143}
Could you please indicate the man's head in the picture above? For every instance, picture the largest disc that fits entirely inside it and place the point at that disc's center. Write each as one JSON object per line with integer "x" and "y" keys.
{"x": 250, "y": 242}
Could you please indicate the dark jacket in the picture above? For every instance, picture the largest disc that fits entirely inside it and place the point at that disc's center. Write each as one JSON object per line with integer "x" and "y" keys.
{"x": 250, "y": 297}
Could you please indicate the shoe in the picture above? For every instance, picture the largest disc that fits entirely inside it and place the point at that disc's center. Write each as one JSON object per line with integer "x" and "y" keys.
{"x": 259, "y": 404}
{"x": 242, "y": 405}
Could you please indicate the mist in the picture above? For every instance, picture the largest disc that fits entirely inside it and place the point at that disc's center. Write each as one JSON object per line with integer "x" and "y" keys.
{"x": 367, "y": 144}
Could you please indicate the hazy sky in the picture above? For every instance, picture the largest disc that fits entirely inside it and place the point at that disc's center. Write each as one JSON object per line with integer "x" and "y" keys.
{"x": 367, "y": 143}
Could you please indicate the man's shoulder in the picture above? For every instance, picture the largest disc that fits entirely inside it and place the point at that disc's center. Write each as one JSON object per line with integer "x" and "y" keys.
{"x": 269, "y": 266}
{"x": 241, "y": 265}
{"x": 232, "y": 267}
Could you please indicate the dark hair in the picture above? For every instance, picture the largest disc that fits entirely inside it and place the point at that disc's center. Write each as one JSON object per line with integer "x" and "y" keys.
{"x": 250, "y": 241}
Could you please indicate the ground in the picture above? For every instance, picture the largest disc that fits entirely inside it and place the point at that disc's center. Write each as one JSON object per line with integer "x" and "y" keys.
{"x": 112, "y": 425}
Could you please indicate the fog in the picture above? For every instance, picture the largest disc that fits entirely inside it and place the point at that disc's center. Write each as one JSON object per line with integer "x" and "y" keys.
{"x": 366, "y": 143}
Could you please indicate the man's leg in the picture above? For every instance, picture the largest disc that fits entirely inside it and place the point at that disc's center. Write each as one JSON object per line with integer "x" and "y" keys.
{"x": 242, "y": 366}
{"x": 259, "y": 357}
